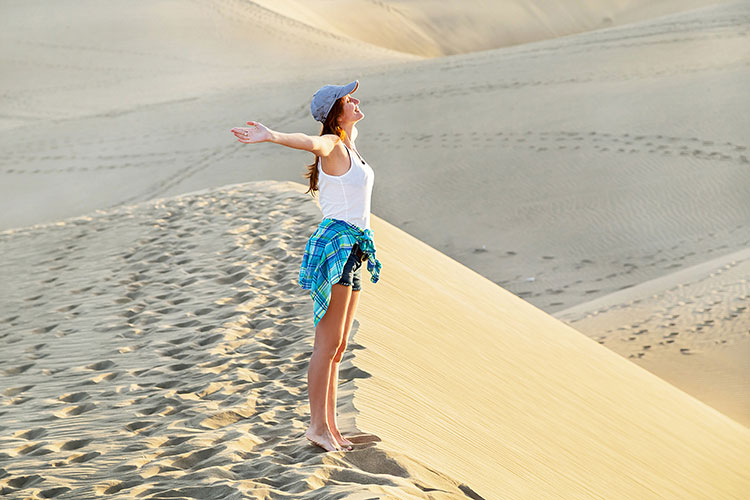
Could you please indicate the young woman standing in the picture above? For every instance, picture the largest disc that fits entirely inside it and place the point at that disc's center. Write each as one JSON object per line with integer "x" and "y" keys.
{"x": 335, "y": 252}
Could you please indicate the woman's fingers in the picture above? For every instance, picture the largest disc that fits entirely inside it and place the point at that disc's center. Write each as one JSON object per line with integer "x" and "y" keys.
{"x": 252, "y": 134}
{"x": 246, "y": 130}
{"x": 246, "y": 138}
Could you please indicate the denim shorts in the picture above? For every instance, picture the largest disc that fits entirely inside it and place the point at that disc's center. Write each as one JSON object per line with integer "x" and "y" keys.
{"x": 353, "y": 269}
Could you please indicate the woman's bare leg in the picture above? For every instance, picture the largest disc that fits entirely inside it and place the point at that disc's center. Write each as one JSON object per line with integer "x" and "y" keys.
{"x": 334, "y": 378}
{"x": 328, "y": 335}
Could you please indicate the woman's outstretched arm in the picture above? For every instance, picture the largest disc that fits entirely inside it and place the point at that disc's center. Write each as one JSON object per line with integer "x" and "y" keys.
{"x": 321, "y": 145}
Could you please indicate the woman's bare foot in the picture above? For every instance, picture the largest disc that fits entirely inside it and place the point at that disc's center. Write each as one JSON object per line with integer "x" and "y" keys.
{"x": 341, "y": 440}
{"x": 325, "y": 440}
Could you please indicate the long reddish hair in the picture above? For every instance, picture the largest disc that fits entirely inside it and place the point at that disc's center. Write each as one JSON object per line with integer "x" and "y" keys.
{"x": 330, "y": 126}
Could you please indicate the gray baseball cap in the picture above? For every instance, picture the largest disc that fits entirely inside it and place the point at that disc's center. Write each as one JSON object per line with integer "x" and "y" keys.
{"x": 323, "y": 99}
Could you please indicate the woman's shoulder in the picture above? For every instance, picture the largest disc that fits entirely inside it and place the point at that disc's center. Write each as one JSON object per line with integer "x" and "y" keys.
{"x": 338, "y": 144}
{"x": 337, "y": 162}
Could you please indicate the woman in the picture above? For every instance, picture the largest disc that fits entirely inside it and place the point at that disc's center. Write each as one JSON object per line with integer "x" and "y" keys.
{"x": 335, "y": 252}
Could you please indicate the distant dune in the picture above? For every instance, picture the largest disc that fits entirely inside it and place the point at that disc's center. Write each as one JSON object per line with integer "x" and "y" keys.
{"x": 433, "y": 29}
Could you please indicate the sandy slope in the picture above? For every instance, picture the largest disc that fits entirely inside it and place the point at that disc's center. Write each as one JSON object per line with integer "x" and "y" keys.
{"x": 462, "y": 368}
{"x": 160, "y": 350}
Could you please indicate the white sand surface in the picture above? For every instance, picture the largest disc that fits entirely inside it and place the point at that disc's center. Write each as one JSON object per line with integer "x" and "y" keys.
{"x": 160, "y": 350}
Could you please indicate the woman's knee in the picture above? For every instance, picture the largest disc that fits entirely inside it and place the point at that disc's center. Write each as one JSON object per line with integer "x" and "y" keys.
{"x": 327, "y": 351}
{"x": 339, "y": 353}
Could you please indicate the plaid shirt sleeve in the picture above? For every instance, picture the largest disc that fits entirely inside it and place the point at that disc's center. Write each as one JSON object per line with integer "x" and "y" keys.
{"x": 325, "y": 255}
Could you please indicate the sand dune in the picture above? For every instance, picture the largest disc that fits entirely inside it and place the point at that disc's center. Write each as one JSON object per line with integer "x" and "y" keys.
{"x": 160, "y": 350}
{"x": 434, "y": 29}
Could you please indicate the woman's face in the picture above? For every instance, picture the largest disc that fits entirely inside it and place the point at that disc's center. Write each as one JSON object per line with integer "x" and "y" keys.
{"x": 350, "y": 111}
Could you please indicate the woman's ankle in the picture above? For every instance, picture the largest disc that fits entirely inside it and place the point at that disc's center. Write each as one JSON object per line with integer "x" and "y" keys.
{"x": 319, "y": 429}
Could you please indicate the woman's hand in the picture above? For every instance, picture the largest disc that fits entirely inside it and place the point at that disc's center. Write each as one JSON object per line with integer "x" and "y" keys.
{"x": 256, "y": 132}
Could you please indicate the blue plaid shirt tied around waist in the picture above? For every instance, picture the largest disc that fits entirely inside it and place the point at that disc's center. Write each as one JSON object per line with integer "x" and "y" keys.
{"x": 326, "y": 253}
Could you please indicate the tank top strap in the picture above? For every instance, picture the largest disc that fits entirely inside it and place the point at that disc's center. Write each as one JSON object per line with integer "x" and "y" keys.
{"x": 358, "y": 155}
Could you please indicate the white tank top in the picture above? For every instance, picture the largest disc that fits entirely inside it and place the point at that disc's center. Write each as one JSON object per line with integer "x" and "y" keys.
{"x": 347, "y": 196}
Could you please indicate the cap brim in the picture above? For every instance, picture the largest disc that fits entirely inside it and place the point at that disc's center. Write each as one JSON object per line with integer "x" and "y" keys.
{"x": 349, "y": 88}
